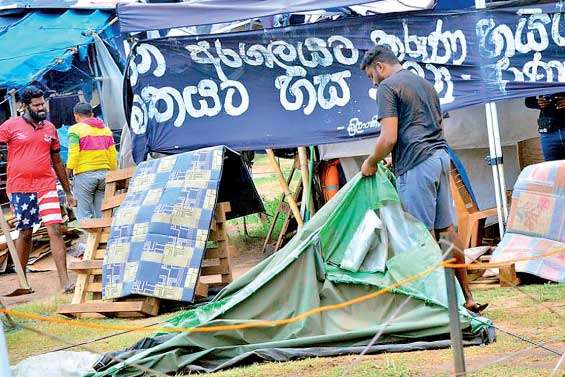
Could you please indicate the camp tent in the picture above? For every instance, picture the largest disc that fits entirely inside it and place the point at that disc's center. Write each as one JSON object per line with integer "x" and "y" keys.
{"x": 347, "y": 250}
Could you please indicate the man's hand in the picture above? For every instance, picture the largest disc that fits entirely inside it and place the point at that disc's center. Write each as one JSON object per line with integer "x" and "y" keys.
{"x": 388, "y": 163}
{"x": 543, "y": 102}
{"x": 71, "y": 201}
{"x": 369, "y": 167}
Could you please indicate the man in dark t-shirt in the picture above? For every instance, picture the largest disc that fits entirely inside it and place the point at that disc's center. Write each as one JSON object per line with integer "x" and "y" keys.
{"x": 410, "y": 118}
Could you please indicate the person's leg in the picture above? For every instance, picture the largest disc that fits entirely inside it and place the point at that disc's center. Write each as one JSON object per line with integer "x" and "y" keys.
{"x": 50, "y": 213}
{"x": 417, "y": 192}
{"x": 26, "y": 212}
{"x": 84, "y": 188}
{"x": 553, "y": 145}
{"x": 59, "y": 250}
{"x": 23, "y": 246}
{"x": 99, "y": 194}
{"x": 444, "y": 220}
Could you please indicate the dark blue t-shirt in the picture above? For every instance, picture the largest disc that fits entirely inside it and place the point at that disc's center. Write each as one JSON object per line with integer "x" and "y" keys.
{"x": 415, "y": 103}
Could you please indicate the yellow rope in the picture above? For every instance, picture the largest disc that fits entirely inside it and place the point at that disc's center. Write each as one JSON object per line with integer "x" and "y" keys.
{"x": 267, "y": 323}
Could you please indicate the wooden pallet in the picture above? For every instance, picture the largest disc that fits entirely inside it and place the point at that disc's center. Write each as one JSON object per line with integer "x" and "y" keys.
{"x": 87, "y": 299}
{"x": 506, "y": 274}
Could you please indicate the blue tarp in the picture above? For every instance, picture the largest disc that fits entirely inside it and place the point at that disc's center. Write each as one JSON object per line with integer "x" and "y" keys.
{"x": 135, "y": 17}
{"x": 42, "y": 41}
{"x": 302, "y": 85}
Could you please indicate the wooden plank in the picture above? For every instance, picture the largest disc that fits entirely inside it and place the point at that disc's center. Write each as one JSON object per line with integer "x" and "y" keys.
{"x": 100, "y": 254}
{"x": 219, "y": 215}
{"x": 94, "y": 287}
{"x": 215, "y": 252}
{"x": 96, "y": 223}
{"x": 83, "y": 279}
{"x": 120, "y": 174}
{"x": 86, "y": 265}
{"x": 113, "y": 202}
{"x": 225, "y": 206}
{"x": 201, "y": 290}
{"x": 216, "y": 235}
{"x": 508, "y": 276}
{"x": 222, "y": 268}
{"x": 107, "y": 307}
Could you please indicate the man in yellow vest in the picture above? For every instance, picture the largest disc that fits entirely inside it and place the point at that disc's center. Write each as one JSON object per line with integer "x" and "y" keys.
{"x": 92, "y": 153}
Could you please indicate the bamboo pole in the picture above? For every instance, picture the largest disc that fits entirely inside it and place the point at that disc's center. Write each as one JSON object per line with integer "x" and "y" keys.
{"x": 307, "y": 196}
{"x": 284, "y": 186}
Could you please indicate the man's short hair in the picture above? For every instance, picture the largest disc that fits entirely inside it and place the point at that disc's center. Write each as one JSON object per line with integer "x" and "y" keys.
{"x": 30, "y": 93}
{"x": 83, "y": 108}
{"x": 380, "y": 54}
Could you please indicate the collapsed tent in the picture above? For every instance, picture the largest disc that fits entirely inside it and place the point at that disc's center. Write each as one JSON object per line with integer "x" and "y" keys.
{"x": 348, "y": 249}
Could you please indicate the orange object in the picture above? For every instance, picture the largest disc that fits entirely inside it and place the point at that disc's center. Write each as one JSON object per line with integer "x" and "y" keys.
{"x": 330, "y": 179}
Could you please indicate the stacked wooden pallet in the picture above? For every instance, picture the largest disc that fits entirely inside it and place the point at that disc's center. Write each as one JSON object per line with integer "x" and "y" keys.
{"x": 87, "y": 299}
{"x": 40, "y": 242}
{"x": 481, "y": 275}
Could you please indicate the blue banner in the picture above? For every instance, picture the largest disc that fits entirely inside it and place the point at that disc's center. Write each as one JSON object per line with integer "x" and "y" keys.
{"x": 302, "y": 85}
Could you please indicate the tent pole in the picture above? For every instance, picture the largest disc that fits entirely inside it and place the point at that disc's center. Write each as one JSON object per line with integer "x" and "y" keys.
{"x": 12, "y": 103}
{"x": 286, "y": 190}
{"x": 4, "y": 360}
{"x": 499, "y": 160}
{"x": 492, "y": 152}
{"x": 454, "y": 320}
{"x": 495, "y": 154}
{"x": 305, "y": 175}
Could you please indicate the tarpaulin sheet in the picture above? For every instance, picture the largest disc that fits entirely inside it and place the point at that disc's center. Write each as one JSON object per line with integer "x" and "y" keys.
{"x": 306, "y": 274}
{"x": 302, "y": 85}
{"x": 136, "y": 17}
{"x": 159, "y": 233}
{"x": 42, "y": 41}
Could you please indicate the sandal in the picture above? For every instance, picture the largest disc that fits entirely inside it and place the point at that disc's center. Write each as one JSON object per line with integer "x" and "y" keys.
{"x": 477, "y": 308}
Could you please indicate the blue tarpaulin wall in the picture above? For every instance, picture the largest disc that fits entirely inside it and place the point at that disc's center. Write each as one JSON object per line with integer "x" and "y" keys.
{"x": 301, "y": 85}
{"x": 135, "y": 17}
{"x": 43, "y": 41}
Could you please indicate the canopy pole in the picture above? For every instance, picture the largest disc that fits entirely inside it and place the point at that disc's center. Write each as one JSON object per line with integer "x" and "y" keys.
{"x": 499, "y": 160}
{"x": 4, "y": 360}
{"x": 12, "y": 103}
{"x": 495, "y": 155}
{"x": 495, "y": 176}
{"x": 305, "y": 175}
{"x": 284, "y": 186}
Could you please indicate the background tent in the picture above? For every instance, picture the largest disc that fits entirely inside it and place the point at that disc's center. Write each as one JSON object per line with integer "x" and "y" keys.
{"x": 324, "y": 270}
{"x": 42, "y": 41}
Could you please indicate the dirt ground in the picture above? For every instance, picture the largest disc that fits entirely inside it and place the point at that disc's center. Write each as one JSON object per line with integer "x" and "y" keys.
{"x": 46, "y": 284}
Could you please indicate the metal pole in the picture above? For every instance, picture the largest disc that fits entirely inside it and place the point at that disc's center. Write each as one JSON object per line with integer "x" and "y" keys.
{"x": 12, "y": 102}
{"x": 495, "y": 155}
{"x": 495, "y": 176}
{"x": 4, "y": 360}
{"x": 499, "y": 162}
{"x": 454, "y": 324}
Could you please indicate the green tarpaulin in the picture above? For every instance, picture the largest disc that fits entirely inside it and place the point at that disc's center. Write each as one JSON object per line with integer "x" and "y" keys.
{"x": 357, "y": 243}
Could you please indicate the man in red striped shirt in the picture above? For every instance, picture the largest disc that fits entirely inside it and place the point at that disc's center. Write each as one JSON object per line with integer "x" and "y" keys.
{"x": 34, "y": 165}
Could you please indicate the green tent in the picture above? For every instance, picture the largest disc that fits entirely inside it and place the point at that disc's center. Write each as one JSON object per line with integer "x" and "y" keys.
{"x": 359, "y": 242}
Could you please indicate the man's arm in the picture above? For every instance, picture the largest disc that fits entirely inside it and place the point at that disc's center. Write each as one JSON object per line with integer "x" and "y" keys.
{"x": 386, "y": 140}
{"x": 63, "y": 178}
{"x": 384, "y": 145}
